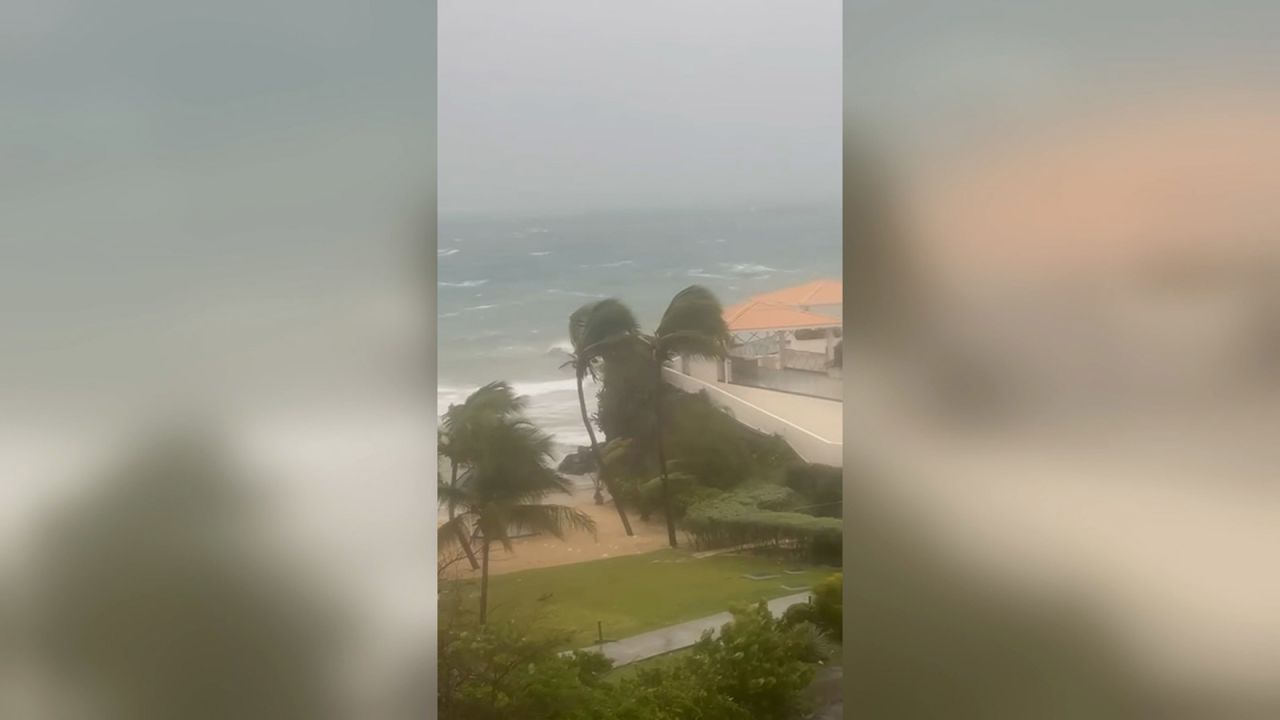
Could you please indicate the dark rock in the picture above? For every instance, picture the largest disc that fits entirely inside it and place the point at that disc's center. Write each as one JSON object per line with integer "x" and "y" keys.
{"x": 578, "y": 463}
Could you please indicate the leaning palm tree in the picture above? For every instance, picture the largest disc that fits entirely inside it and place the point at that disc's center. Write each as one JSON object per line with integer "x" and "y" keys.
{"x": 692, "y": 326}
{"x": 457, "y": 441}
{"x": 501, "y": 488}
{"x": 592, "y": 329}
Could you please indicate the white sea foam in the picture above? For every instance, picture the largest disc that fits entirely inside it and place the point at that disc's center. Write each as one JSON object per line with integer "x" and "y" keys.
{"x": 563, "y": 346}
{"x": 748, "y": 269}
{"x": 619, "y": 263}
{"x": 479, "y": 307}
{"x": 700, "y": 273}
{"x": 447, "y": 253}
{"x": 464, "y": 283}
{"x": 540, "y": 253}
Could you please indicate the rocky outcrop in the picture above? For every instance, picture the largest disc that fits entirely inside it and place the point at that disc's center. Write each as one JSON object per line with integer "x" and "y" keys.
{"x": 578, "y": 463}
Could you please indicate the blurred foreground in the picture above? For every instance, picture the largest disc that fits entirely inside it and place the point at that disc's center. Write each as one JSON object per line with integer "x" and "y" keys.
{"x": 1062, "y": 418}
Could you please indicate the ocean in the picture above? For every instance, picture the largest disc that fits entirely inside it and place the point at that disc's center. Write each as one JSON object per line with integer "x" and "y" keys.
{"x": 508, "y": 285}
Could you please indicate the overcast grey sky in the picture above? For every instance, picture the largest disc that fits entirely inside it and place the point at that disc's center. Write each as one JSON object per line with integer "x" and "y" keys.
{"x": 570, "y": 105}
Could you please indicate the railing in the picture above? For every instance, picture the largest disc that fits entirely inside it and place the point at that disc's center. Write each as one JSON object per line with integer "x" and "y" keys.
{"x": 759, "y": 348}
{"x": 804, "y": 360}
{"x": 809, "y": 446}
{"x": 800, "y": 382}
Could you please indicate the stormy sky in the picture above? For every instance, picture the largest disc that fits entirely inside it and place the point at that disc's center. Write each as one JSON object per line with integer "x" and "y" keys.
{"x": 576, "y": 105}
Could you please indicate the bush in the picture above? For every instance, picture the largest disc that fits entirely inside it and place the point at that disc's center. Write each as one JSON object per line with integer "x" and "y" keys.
{"x": 706, "y": 441}
{"x": 685, "y": 493}
{"x": 510, "y": 670}
{"x": 760, "y": 514}
{"x": 820, "y": 485}
{"x": 757, "y": 667}
{"x": 826, "y": 611}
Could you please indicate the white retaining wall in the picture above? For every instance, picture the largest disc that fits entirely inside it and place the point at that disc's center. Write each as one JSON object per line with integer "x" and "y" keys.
{"x": 811, "y": 447}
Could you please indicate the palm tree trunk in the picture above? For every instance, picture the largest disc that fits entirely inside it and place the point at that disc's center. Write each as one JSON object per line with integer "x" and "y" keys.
{"x": 484, "y": 579}
{"x": 595, "y": 454}
{"x": 662, "y": 456}
{"x": 462, "y": 537}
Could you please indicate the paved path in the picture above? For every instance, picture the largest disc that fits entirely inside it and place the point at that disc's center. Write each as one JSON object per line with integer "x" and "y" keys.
{"x": 675, "y": 637}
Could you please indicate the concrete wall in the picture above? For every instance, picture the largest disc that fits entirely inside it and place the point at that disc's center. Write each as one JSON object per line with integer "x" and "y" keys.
{"x": 810, "y": 446}
{"x": 821, "y": 384}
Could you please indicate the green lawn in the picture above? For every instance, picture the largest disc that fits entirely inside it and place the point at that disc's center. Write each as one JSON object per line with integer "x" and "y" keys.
{"x": 636, "y": 593}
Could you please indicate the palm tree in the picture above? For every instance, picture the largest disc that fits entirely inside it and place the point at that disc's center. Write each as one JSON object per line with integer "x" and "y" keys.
{"x": 500, "y": 490}
{"x": 693, "y": 325}
{"x": 592, "y": 329}
{"x": 457, "y": 441}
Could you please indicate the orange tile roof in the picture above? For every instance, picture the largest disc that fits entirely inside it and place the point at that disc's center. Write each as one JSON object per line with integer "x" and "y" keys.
{"x": 755, "y": 314}
{"x": 815, "y": 292}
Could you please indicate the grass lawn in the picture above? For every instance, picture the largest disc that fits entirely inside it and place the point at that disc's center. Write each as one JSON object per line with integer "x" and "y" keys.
{"x": 636, "y": 593}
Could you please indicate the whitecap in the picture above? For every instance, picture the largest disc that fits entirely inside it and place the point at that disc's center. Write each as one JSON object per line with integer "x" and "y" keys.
{"x": 700, "y": 273}
{"x": 480, "y": 307}
{"x": 747, "y": 268}
{"x": 540, "y": 253}
{"x": 619, "y": 263}
{"x": 464, "y": 283}
{"x": 563, "y": 346}
{"x": 447, "y": 253}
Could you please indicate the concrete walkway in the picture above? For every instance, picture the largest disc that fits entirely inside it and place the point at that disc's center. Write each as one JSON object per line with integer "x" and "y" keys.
{"x": 679, "y": 636}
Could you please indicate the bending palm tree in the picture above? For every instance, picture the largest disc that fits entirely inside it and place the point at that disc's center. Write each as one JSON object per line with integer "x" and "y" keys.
{"x": 500, "y": 490}
{"x": 694, "y": 326}
{"x": 592, "y": 328}
{"x": 457, "y": 441}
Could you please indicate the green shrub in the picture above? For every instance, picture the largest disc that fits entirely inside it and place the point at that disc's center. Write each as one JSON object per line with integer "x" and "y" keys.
{"x": 757, "y": 667}
{"x": 511, "y": 670}
{"x": 685, "y": 492}
{"x": 825, "y": 611}
{"x": 821, "y": 485}
{"x": 759, "y": 515}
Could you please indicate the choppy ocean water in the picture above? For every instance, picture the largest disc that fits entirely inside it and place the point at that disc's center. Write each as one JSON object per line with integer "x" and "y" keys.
{"x": 507, "y": 286}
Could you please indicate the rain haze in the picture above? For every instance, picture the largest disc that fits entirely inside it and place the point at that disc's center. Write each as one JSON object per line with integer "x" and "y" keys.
{"x": 574, "y": 106}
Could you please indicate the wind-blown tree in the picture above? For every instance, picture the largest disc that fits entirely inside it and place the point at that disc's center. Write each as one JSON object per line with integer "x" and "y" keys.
{"x": 692, "y": 326}
{"x": 499, "y": 491}
{"x": 457, "y": 442}
{"x": 593, "y": 329}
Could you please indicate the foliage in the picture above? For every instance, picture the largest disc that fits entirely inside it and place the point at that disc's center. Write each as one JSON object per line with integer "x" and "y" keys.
{"x": 755, "y": 667}
{"x": 757, "y": 515}
{"x": 706, "y": 442}
{"x": 594, "y": 328}
{"x": 826, "y": 612}
{"x": 685, "y": 491}
{"x": 510, "y": 669}
{"x": 507, "y": 474}
{"x": 821, "y": 485}
{"x": 625, "y": 401}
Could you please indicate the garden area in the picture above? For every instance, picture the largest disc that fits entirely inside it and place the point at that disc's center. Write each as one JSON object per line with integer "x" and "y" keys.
{"x": 638, "y": 593}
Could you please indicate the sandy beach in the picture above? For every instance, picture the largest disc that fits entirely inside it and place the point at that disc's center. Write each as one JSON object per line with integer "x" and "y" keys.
{"x": 547, "y": 551}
